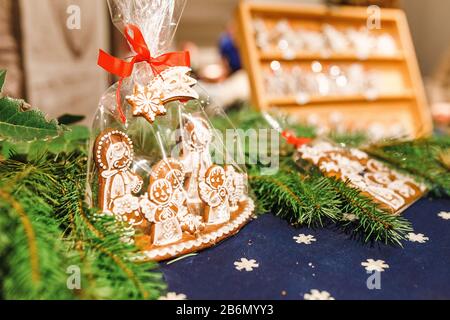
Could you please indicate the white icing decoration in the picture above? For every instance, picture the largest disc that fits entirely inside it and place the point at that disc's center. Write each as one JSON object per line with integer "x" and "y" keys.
{"x": 176, "y": 249}
{"x": 214, "y": 191}
{"x": 177, "y": 84}
{"x": 385, "y": 185}
{"x": 146, "y": 101}
{"x": 160, "y": 209}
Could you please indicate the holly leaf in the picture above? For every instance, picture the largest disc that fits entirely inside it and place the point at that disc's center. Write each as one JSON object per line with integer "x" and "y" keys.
{"x": 2, "y": 79}
{"x": 17, "y": 123}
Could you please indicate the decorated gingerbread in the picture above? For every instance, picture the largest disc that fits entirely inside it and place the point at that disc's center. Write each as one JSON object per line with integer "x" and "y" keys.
{"x": 117, "y": 182}
{"x": 196, "y": 140}
{"x": 162, "y": 210}
{"x": 173, "y": 171}
{"x": 236, "y": 186}
{"x": 215, "y": 193}
{"x": 177, "y": 84}
{"x": 146, "y": 101}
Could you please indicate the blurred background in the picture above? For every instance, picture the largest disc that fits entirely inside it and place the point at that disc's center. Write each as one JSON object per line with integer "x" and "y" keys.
{"x": 54, "y": 67}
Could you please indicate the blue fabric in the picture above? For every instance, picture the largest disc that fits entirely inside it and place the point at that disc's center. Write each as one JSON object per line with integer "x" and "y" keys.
{"x": 288, "y": 270}
{"x": 230, "y": 52}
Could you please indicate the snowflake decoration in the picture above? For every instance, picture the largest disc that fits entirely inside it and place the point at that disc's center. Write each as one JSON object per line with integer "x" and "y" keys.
{"x": 146, "y": 101}
{"x": 372, "y": 265}
{"x": 173, "y": 296}
{"x": 419, "y": 237}
{"x": 247, "y": 265}
{"x": 318, "y": 295}
{"x": 444, "y": 215}
{"x": 349, "y": 217}
{"x": 305, "y": 239}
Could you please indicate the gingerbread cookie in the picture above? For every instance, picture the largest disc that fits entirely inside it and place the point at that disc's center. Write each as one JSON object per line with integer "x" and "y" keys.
{"x": 173, "y": 171}
{"x": 214, "y": 192}
{"x": 177, "y": 84}
{"x": 235, "y": 185}
{"x": 172, "y": 84}
{"x": 162, "y": 210}
{"x": 114, "y": 154}
{"x": 196, "y": 141}
{"x": 146, "y": 101}
{"x": 392, "y": 190}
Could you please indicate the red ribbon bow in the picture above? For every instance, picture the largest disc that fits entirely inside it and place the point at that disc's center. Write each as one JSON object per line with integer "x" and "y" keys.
{"x": 292, "y": 139}
{"x": 123, "y": 69}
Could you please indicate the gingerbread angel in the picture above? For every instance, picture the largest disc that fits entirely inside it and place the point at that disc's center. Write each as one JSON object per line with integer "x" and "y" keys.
{"x": 215, "y": 193}
{"x": 196, "y": 140}
{"x": 173, "y": 171}
{"x": 117, "y": 181}
{"x": 162, "y": 210}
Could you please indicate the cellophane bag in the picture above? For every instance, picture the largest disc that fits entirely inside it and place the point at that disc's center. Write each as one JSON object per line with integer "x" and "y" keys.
{"x": 157, "y": 165}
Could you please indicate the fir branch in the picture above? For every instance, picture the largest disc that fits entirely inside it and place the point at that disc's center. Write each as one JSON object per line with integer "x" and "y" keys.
{"x": 298, "y": 200}
{"x": 372, "y": 221}
{"x": 420, "y": 159}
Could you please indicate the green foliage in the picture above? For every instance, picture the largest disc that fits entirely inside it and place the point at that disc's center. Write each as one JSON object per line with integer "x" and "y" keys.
{"x": 18, "y": 124}
{"x": 300, "y": 200}
{"x": 372, "y": 223}
{"x": 48, "y": 229}
{"x": 421, "y": 158}
{"x": 301, "y": 195}
{"x": 45, "y": 228}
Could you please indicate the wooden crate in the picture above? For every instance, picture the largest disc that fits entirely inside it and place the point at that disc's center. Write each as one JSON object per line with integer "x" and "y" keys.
{"x": 402, "y": 98}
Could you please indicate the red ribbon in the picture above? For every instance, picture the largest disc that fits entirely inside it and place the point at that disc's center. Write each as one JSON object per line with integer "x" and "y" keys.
{"x": 123, "y": 69}
{"x": 294, "y": 140}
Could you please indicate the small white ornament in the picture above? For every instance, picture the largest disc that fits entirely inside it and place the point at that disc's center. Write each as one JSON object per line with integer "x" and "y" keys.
{"x": 174, "y": 296}
{"x": 375, "y": 265}
{"x": 444, "y": 215}
{"x": 304, "y": 239}
{"x": 419, "y": 237}
{"x": 247, "y": 265}
{"x": 318, "y": 295}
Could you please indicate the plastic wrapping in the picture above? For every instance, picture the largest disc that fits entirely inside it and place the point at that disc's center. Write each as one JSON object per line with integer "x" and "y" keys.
{"x": 157, "y": 163}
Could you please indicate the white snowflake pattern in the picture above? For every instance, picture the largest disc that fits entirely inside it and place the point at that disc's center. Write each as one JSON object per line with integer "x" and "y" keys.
{"x": 375, "y": 265}
{"x": 146, "y": 102}
{"x": 444, "y": 215}
{"x": 318, "y": 295}
{"x": 174, "y": 296}
{"x": 349, "y": 217}
{"x": 419, "y": 237}
{"x": 305, "y": 239}
{"x": 247, "y": 265}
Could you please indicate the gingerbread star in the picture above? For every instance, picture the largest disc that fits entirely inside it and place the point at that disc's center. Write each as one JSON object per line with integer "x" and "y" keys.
{"x": 146, "y": 102}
